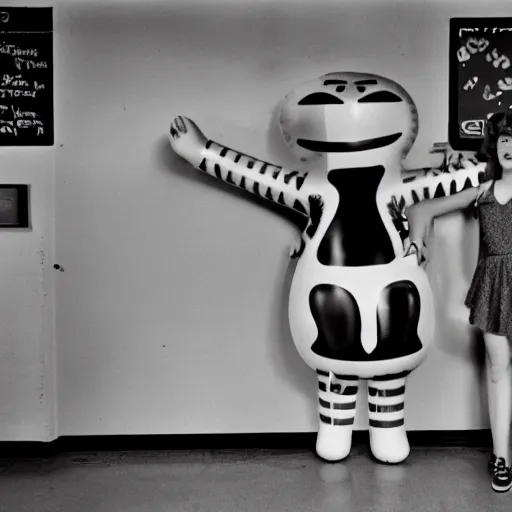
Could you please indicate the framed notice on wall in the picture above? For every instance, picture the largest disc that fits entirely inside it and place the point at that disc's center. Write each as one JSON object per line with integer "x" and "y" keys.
{"x": 26, "y": 76}
{"x": 480, "y": 57}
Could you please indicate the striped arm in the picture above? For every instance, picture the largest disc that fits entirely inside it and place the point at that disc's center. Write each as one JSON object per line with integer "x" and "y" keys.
{"x": 261, "y": 178}
{"x": 337, "y": 398}
{"x": 416, "y": 189}
{"x": 386, "y": 400}
{"x": 288, "y": 188}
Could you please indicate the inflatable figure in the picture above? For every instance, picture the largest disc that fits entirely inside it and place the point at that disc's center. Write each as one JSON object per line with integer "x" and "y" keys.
{"x": 359, "y": 306}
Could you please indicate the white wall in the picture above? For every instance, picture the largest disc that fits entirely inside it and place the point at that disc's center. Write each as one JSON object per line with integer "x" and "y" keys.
{"x": 171, "y": 311}
{"x": 27, "y": 370}
{"x": 27, "y": 356}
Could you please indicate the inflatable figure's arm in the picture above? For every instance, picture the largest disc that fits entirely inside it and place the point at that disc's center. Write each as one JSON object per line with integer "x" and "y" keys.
{"x": 430, "y": 185}
{"x": 439, "y": 185}
{"x": 261, "y": 178}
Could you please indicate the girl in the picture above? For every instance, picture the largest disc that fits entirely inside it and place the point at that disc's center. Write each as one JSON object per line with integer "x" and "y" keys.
{"x": 489, "y": 298}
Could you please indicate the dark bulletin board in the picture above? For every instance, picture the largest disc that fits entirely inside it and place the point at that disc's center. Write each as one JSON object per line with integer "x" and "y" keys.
{"x": 26, "y": 76}
{"x": 480, "y": 58}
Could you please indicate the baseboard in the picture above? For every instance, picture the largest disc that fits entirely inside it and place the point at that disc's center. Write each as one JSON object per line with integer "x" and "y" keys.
{"x": 275, "y": 441}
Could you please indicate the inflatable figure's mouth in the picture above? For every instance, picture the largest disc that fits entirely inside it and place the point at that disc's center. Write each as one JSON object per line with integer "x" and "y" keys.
{"x": 348, "y": 147}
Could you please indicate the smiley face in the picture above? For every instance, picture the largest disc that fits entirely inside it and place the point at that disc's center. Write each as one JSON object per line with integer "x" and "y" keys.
{"x": 346, "y": 113}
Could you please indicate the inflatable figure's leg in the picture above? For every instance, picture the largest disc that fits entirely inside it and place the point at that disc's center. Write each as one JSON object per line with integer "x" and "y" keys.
{"x": 337, "y": 407}
{"x": 388, "y": 437}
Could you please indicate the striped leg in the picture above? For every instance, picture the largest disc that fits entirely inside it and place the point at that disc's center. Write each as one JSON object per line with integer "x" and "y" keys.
{"x": 388, "y": 437}
{"x": 337, "y": 406}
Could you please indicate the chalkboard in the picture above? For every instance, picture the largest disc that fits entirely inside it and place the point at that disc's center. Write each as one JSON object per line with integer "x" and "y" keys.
{"x": 26, "y": 76}
{"x": 480, "y": 57}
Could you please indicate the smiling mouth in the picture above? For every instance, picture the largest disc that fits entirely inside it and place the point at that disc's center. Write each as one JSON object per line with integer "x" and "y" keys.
{"x": 348, "y": 147}
{"x": 507, "y": 156}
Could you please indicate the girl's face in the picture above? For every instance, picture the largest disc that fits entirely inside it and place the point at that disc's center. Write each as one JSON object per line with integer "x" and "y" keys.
{"x": 504, "y": 150}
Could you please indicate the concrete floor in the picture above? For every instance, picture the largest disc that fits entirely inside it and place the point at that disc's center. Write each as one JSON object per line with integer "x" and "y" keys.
{"x": 431, "y": 480}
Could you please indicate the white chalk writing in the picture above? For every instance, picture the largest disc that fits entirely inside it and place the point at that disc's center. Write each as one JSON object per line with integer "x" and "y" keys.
{"x": 29, "y": 64}
{"x": 16, "y": 51}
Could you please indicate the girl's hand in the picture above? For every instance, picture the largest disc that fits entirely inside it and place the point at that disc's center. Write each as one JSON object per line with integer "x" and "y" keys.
{"x": 420, "y": 221}
{"x": 419, "y": 249}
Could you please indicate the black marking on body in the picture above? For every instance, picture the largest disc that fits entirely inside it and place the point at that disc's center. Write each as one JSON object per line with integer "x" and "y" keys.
{"x": 337, "y": 317}
{"x": 467, "y": 184}
{"x": 320, "y": 98}
{"x": 299, "y": 207}
{"x": 229, "y": 178}
{"x": 335, "y": 82}
{"x": 369, "y": 81}
{"x": 386, "y": 408}
{"x": 256, "y": 188}
{"x": 202, "y": 165}
{"x": 208, "y": 144}
{"x": 242, "y": 183}
{"x": 380, "y": 97}
{"x": 439, "y": 191}
{"x": 415, "y": 197}
{"x": 300, "y": 181}
{"x": 218, "y": 171}
{"x": 268, "y": 195}
{"x": 237, "y": 158}
{"x": 250, "y": 164}
{"x": 337, "y": 422}
{"x": 263, "y": 169}
{"x": 394, "y": 376}
{"x": 288, "y": 176}
{"x": 356, "y": 236}
{"x": 277, "y": 172}
{"x": 348, "y": 147}
{"x": 386, "y": 392}
{"x": 386, "y": 423}
{"x": 224, "y": 152}
{"x": 281, "y": 200}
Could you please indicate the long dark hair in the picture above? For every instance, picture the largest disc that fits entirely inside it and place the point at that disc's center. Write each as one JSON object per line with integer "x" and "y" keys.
{"x": 498, "y": 124}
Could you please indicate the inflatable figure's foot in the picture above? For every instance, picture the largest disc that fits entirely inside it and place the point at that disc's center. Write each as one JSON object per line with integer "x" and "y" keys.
{"x": 389, "y": 445}
{"x": 388, "y": 437}
{"x": 337, "y": 407}
{"x": 333, "y": 443}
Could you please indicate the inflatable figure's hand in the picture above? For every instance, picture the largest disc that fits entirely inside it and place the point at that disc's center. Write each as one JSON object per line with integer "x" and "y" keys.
{"x": 187, "y": 140}
{"x": 297, "y": 248}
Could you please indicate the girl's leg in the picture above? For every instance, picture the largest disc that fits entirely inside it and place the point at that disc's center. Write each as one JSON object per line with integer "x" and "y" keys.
{"x": 499, "y": 388}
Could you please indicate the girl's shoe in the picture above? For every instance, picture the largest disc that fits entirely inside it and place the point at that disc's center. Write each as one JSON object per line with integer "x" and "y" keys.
{"x": 501, "y": 475}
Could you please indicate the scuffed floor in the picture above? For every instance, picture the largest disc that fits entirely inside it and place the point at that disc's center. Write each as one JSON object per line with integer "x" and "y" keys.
{"x": 432, "y": 480}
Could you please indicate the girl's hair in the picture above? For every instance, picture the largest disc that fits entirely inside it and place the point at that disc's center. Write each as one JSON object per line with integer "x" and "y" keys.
{"x": 498, "y": 124}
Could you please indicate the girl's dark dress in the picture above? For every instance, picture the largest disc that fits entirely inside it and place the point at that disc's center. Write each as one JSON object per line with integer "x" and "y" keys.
{"x": 490, "y": 295}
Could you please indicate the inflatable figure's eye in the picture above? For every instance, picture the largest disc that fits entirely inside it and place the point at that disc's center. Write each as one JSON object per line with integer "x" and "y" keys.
{"x": 381, "y": 97}
{"x": 320, "y": 98}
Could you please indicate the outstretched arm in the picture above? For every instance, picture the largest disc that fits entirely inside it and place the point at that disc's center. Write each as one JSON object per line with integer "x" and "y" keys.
{"x": 439, "y": 185}
{"x": 288, "y": 188}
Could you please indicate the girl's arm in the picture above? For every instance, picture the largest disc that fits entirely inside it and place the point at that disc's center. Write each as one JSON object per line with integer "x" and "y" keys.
{"x": 421, "y": 215}
{"x": 285, "y": 187}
